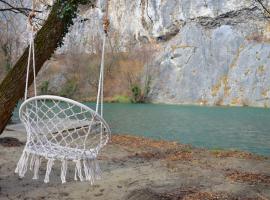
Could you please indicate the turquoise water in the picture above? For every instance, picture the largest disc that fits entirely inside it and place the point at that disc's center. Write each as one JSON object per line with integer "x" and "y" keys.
{"x": 244, "y": 128}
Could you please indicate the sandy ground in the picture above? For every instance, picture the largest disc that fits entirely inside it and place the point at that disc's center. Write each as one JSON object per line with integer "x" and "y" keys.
{"x": 136, "y": 168}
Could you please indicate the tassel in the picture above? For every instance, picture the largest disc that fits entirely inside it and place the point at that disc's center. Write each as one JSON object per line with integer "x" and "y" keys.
{"x": 36, "y": 167}
{"x": 32, "y": 162}
{"x": 19, "y": 164}
{"x": 25, "y": 165}
{"x": 86, "y": 170}
{"x": 78, "y": 170}
{"x": 63, "y": 171}
{"x": 75, "y": 174}
{"x": 48, "y": 171}
{"x": 22, "y": 164}
{"x": 75, "y": 169}
{"x": 97, "y": 170}
{"x": 91, "y": 170}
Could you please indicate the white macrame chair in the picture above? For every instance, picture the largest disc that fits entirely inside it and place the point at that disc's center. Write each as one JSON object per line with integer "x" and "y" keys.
{"x": 61, "y": 129}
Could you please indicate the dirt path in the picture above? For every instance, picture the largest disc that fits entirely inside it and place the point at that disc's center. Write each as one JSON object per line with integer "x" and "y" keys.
{"x": 136, "y": 168}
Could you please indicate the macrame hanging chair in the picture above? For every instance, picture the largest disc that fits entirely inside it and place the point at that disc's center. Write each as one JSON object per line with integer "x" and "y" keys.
{"x": 60, "y": 129}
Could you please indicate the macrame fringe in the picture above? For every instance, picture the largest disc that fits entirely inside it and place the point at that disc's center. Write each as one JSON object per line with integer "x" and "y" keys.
{"x": 64, "y": 171}
{"x": 78, "y": 170}
{"x": 91, "y": 170}
{"x": 49, "y": 169}
{"x": 36, "y": 167}
{"x": 32, "y": 162}
{"x": 90, "y": 167}
{"x": 22, "y": 164}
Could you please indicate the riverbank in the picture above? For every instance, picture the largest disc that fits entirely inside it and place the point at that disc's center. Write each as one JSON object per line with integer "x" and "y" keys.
{"x": 244, "y": 129}
{"x": 137, "y": 168}
{"x": 128, "y": 99}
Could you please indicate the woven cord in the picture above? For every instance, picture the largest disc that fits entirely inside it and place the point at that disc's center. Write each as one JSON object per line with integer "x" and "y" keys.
{"x": 63, "y": 128}
{"x": 34, "y": 62}
{"x": 31, "y": 51}
{"x": 101, "y": 80}
{"x": 27, "y": 70}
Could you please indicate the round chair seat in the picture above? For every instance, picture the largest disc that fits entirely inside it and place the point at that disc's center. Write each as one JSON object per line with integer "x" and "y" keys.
{"x": 54, "y": 151}
{"x": 62, "y": 129}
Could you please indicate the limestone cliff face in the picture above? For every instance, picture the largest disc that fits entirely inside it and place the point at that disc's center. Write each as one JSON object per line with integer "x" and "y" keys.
{"x": 207, "y": 51}
{"x": 217, "y": 53}
{"x": 214, "y": 52}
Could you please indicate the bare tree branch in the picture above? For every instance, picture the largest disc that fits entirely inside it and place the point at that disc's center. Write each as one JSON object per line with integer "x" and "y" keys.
{"x": 16, "y": 10}
{"x": 263, "y": 6}
{"x": 19, "y": 10}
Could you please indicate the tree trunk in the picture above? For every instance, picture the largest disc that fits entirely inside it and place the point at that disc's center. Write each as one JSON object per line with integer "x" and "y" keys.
{"x": 48, "y": 38}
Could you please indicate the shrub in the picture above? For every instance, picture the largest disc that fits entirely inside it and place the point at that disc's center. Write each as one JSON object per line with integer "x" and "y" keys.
{"x": 44, "y": 88}
{"x": 69, "y": 88}
{"x": 121, "y": 99}
{"x": 136, "y": 94}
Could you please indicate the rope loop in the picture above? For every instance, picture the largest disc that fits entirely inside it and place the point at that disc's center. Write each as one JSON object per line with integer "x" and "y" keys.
{"x": 106, "y": 24}
{"x": 106, "y": 21}
{"x": 31, "y": 16}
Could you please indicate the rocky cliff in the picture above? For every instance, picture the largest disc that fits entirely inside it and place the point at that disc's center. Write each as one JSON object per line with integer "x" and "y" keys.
{"x": 206, "y": 51}
{"x": 213, "y": 52}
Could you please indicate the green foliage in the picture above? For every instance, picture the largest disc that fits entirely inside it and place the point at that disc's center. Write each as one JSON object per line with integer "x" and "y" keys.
{"x": 217, "y": 150}
{"x": 8, "y": 66}
{"x": 44, "y": 88}
{"x": 67, "y": 10}
{"x": 187, "y": 150}
{"x": 6, "y": 48}
{"x": 139, "y": 95}
{"x": 121, "y": 99}
{"x": 69, "y": 7}
{"x": 69, "y": 88}
{"x": 140, "y": 91}
{"x": 136, "y": 94}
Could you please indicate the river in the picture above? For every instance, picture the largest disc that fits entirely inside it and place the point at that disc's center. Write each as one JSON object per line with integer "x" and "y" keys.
{"x": 240, "y": 128}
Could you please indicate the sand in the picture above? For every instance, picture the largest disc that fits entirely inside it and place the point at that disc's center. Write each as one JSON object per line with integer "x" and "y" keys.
{"x": 136, "y": 168}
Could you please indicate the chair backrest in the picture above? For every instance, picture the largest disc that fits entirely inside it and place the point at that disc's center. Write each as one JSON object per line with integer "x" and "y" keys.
{"x": 60, "y": 121}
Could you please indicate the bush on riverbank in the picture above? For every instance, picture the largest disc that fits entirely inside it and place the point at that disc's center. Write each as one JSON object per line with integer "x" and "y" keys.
{"x": 121, "y": 99}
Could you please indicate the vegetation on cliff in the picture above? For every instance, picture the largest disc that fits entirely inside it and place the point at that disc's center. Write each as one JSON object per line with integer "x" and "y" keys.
{"x": 47, "y": 39}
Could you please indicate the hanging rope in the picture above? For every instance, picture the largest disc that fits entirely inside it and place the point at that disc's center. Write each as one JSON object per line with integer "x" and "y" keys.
{"x": 31, "y": 52}
{"x": 106, "y": 22}
{"x": 62, "y": 129}
{"x": 100, "y": 95}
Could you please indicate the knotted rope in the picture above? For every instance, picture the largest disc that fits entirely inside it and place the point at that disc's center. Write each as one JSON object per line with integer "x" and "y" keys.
{"x": 31, "y": 52}
{"x": 106, "y": 24}
{"x": 60, "y": 129}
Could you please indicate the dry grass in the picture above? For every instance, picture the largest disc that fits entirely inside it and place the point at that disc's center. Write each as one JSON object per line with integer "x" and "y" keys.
{"x": 180, "y": 155}
{"x": 142, "y": 143}
{"x": 144, "y": 148}
{"x": 85, "y": 69}
{"x": 235, "y": 154}
{"x": 207, "y": 195}
{"x": 248, "y": 177}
